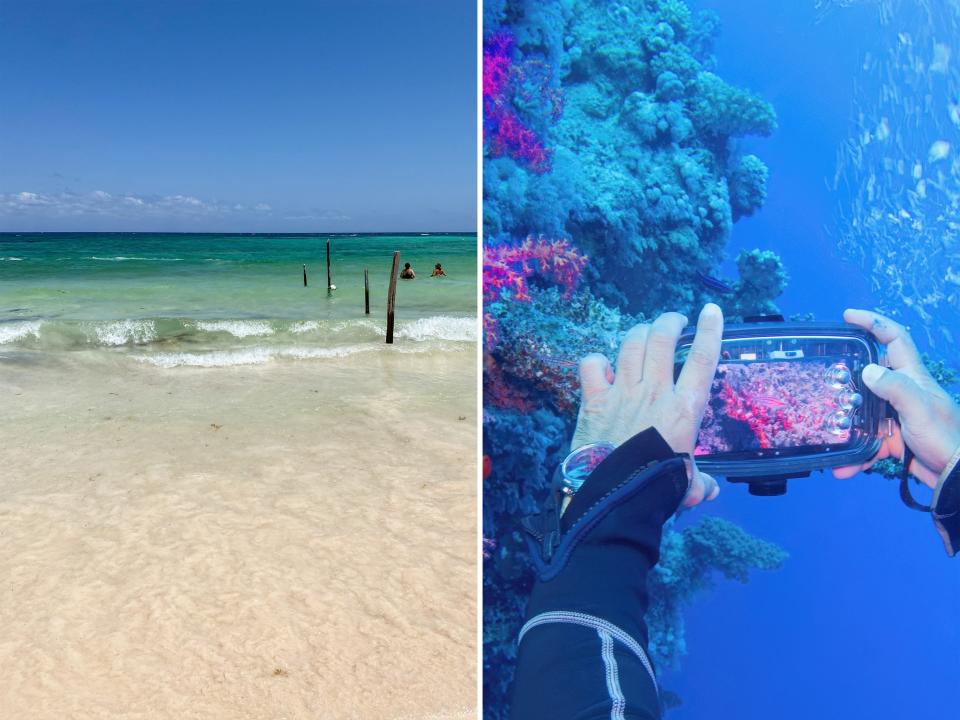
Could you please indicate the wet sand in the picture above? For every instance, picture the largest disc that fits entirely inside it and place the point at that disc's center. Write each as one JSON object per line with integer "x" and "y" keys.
{"x": 294, "y": 540}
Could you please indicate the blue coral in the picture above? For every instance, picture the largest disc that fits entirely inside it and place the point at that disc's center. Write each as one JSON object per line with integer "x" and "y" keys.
{"x": 748, "y": 185}
{"x": 645, "y": 176}
{"x": 688, "y": 563}
{"x": 762, "y": 277}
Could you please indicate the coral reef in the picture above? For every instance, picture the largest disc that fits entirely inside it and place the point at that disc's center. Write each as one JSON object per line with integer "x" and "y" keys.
{"x": 688, "y": 562}
{"x": 542, "y": 341}
{"x": 507, "y": 267}
{"x": 508, "y": 85}
{"x": 645, "y": 176}
{"x": 762, "y": 278}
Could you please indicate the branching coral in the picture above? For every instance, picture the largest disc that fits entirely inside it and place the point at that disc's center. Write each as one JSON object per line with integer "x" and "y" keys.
{"x": 507, "y": 267}
{"x": 507, "y": 84}
{"x": 688, "y": 560}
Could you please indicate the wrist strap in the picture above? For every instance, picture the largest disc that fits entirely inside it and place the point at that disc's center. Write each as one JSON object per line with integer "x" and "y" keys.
{"x": 905, "y": 495}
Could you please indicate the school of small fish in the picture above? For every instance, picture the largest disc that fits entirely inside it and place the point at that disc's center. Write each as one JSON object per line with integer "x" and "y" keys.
{"x": 898, "y": 173}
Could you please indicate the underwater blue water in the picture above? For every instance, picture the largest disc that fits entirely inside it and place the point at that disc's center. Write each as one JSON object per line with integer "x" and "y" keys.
{"x": 861, "y": 621}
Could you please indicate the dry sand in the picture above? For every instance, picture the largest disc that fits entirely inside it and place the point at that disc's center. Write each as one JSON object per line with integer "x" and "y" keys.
{"x": 294, "y": 540}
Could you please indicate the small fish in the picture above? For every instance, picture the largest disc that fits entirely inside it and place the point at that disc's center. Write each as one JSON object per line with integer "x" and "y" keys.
{"x": 714, "y": 284}
{"x": 560, "y": 362}
{"x": 941, "y": 58}
{"x": 769, "y": 401}
{"x": 938, "y": 151}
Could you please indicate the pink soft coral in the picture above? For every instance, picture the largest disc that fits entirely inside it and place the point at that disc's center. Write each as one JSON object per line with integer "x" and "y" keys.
{"x": 504, "y": 133}
{"x": 506, "y": 268}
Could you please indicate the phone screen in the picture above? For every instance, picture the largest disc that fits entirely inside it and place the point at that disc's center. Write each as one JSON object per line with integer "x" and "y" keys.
{"x": 772, "y": 405}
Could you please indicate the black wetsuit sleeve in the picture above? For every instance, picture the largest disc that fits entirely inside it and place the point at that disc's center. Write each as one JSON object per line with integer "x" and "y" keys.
{"x": 946, "y": 510}
{"x": 583, "y": 649}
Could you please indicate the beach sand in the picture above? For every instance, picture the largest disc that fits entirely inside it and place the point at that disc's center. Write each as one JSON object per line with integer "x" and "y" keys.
{"x": 284, "y": 541}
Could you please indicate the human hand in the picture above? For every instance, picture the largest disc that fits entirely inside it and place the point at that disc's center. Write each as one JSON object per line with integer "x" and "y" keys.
{"x": 929, "y": 418}
{"x": 642, "y": 393}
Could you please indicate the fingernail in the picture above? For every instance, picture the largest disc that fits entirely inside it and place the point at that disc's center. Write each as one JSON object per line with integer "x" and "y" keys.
{"x": 872, "y": 373}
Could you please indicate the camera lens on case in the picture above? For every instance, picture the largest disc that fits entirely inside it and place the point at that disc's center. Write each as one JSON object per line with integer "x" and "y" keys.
{"x": 838, "y": 375}
{"x": 849, "y": 400}
{"x": 837, "y": 422}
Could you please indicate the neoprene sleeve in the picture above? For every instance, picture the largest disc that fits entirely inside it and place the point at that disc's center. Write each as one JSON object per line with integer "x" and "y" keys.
{"x": 582, "y": 651}
{"x": 946, "y": 508}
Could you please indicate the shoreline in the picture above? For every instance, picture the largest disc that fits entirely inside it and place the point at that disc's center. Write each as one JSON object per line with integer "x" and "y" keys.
{"x": 295, "y": 539}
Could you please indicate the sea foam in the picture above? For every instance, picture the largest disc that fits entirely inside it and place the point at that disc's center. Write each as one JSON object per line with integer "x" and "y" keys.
{"x": 440, "y": 327}
{"x": 11, "y": 332}
{"x": 123, "y": 332}
{"x": 250, "y": 356}
{"x": 237, "y": 328}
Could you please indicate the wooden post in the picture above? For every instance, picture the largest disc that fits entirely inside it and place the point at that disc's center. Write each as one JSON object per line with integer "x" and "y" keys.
{"x": 304, "y": 275}
{"x": 392, "y": 295}
{"x": 366, "y": 292}
{"x": 329, "y": 284}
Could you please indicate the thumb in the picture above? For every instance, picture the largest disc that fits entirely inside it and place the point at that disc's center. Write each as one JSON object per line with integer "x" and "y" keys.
{"x": 901, "y": 391}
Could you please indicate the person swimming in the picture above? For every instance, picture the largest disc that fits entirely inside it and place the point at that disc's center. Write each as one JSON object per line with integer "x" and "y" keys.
{"x": 407, "y": 273}
{"x": 438, "y": 271}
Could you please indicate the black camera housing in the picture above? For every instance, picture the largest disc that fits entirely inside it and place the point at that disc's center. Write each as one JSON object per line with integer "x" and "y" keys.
{"x": 788, "y": 399}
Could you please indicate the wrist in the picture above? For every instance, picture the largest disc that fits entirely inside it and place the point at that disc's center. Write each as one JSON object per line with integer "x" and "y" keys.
{"x": 948, "y": 467}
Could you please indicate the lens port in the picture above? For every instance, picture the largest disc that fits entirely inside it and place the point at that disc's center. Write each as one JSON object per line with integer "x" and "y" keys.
{"x": 849, "y": 400}
{"x": 837, "y": 423}
{"x": 837, "y": 375}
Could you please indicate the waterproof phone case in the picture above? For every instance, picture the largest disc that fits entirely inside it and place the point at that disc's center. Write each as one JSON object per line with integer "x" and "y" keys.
{"x": 787, "y": 398}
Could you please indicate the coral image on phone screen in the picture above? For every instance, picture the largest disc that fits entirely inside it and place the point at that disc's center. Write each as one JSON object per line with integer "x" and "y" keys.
{"x": 773, "y": 405}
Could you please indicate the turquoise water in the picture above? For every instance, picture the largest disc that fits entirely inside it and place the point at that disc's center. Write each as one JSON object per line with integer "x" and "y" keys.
{"x": 229, "y": 299}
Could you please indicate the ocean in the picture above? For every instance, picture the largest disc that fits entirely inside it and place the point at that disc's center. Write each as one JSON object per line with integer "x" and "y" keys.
{"x": 217, "y": 300}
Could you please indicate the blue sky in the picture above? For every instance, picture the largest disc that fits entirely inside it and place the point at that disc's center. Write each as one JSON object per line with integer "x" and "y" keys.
{"x": 217, "y": 115}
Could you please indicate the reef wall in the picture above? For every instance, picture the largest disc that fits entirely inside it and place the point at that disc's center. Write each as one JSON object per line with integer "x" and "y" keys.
{"x": 612, "y": 179}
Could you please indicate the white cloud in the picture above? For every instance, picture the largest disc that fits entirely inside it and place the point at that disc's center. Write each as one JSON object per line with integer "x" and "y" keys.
{"x": 101, "y": 203}
{"x": 325, "y": 215}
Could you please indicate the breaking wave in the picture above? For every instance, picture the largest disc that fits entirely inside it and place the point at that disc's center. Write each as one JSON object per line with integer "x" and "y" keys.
{"x": 14, "y": 331}
{"x": 172, "y": 342}
{"x": 252, "y": 356}
{"x": 238, "y": 328}
{"x": 124, "y": 332}
{"x": 440, "y": 327}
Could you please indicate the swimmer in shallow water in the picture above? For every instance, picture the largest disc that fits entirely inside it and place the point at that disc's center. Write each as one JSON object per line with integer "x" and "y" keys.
{"x": 438, "y": 271}
{"x": 407, "y": 273}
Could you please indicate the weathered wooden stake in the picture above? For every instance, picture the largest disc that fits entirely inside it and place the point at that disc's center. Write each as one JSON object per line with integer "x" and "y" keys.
{"x": 366, "y": 291}
{"x": 304, "y": 275}
{"x": 329, "y": 284}
{"x": 392, "y": 295}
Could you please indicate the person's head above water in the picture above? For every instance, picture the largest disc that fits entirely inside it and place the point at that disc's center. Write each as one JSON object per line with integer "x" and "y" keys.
{"x": 437, "y": 267}
{"x": 406, "y": 266}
